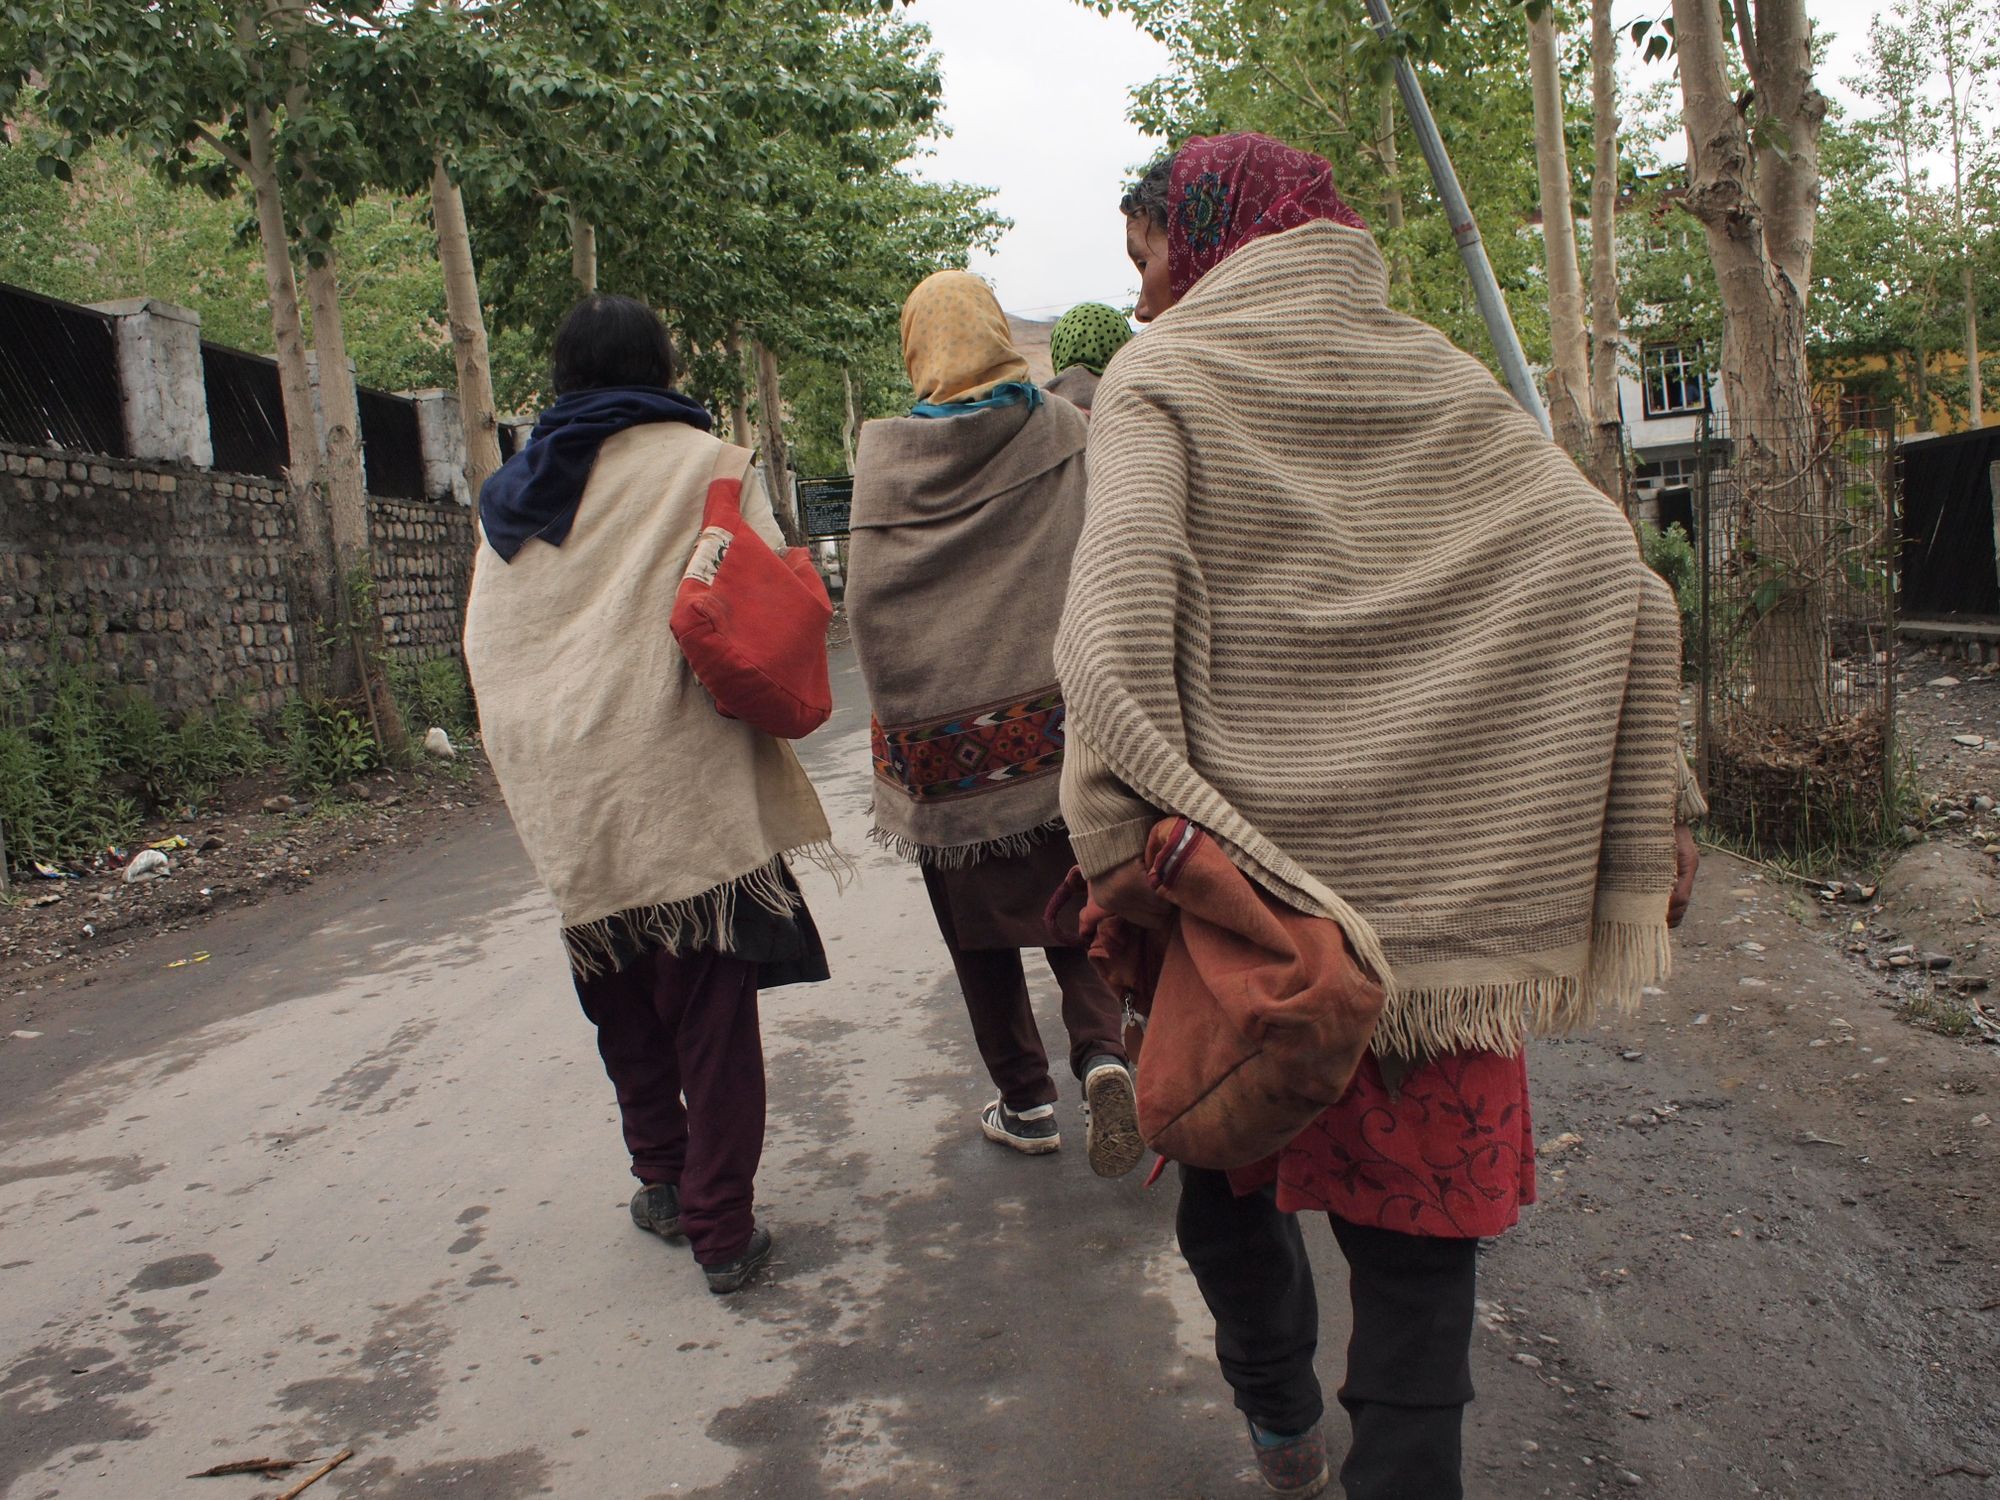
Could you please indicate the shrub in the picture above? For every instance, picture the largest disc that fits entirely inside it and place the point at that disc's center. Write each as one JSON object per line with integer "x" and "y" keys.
{"x": 434, "y": 693}
{"x": 1670, "y": 553}
{"x": 60, "y": 781}
{"x": 324, "y": 744}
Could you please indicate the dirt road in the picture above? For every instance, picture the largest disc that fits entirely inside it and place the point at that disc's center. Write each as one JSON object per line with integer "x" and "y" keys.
{"x": 355, "y": 1181}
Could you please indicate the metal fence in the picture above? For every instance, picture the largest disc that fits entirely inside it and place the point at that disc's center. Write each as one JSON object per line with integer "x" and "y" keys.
{"x": 392, "y": 450}
{"x": 246, "y": 412}
{"x": 1794, "y": 642}
{"x": 58, "y": 376}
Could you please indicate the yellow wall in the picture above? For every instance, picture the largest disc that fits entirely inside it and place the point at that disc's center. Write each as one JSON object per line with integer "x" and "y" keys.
{"x": 1943, "y": 363}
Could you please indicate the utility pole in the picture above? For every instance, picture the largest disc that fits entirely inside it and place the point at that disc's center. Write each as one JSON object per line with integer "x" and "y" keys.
{"x": 1464, "y": 228}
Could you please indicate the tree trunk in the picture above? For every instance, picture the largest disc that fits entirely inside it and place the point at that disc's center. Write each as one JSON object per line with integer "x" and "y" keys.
{"x": 311, "y": 563}
{"x": 1607, "y": 449}
{"x": 739, "y": 399}
{"x": 1569, "y": 370}
{"x": 1760, "y": 243}
{"x": 1392, "y": 183}
{"x": 347, "y": 501}
{"x": 1975, "y": 398}
{"x": 468, "y": 330}
{"x": 777, "y": 461}
{"x": 1385, "y": 150}
{"x": 1787, "y": 165}
{"x": 848, "y": 426}
{"x": 583, "y": 251}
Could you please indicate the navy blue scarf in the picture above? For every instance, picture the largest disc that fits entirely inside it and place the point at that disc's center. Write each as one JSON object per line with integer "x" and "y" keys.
{"x": 536, "y": 492}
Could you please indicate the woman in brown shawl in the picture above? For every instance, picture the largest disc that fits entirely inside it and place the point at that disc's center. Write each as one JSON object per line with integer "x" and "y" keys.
{"x": 1340, "y": 603}
{"x": 965, "y": 515}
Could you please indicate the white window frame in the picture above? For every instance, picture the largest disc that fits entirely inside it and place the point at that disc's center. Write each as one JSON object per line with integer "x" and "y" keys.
{"x": 1667, "y": 367}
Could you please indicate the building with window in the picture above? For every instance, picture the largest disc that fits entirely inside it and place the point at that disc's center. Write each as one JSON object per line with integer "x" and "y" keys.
{"x": 1664, "y": 392}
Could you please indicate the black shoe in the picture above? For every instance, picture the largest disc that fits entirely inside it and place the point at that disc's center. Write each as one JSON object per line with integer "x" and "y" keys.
{"x": 1032, "y": 1132}
{"x": 734, "y": 1275}
{"x": 656, "y": 1208}
{"x": 1114, "y": 1143}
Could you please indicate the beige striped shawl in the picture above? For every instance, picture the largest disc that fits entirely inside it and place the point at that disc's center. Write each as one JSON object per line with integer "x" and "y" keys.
{"x": 1340, "y": 602}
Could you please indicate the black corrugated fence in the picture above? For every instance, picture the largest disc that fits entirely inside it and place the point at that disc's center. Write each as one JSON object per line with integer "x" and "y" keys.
{"x": 246, "y": 412}
{"x": 58, "y": 375}
{"x": 392, "y": 449}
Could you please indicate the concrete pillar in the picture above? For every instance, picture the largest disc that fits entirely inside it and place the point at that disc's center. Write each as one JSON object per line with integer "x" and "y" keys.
{"x": 441, "y": 433}
{"x": 522, "y": 427}
{"x": 161, "y": 389}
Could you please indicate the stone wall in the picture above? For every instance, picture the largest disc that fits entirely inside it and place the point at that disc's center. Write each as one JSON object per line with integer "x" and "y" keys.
{"x": 423, "y": 567}
{"x": 173, "y": 578}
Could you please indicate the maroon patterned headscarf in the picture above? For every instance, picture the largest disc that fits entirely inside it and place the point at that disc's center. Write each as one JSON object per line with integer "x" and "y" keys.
{"x": 1228, "y": 190}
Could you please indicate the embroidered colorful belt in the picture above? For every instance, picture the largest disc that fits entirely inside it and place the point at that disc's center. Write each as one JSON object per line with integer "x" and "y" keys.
{"x": 978, "y": 750}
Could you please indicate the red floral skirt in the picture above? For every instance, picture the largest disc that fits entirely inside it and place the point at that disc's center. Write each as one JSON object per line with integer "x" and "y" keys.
{"x": 1451, "y": 1155}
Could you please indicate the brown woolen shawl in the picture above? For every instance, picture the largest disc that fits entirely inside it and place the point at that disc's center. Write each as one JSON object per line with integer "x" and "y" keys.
{"x": 963, "y": 528}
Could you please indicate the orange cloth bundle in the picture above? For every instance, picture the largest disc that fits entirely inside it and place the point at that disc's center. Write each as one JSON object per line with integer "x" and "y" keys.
{"x": 1255, "y": 1015}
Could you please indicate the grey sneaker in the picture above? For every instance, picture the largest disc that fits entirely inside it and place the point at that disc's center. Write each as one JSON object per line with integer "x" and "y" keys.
{"x": 734, "y": 1275}
{"x": 1114, "y": 1143}
{"x": 1032, "y": 1132}
{"x": 656, "y": 1208}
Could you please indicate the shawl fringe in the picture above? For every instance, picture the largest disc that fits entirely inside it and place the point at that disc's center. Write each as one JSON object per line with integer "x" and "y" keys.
{"x": 1625, "y": 957}
{"x": 699, "y": 921}
{"x": 961, "y": 856}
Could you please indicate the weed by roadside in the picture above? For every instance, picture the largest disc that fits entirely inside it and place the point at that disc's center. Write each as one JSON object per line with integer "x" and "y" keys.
{"x": 1941, "y": 1011}
{"x": 84, "y": 759}
{"x": 434, "y": 694}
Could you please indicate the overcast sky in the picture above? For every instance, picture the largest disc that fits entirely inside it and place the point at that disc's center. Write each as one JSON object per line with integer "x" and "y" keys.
{"x": 1036, "y": 93}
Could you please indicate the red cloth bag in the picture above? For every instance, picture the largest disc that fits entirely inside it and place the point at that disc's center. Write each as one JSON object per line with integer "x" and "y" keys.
{"x": 1256, "y": 1015}
{"x": 752, "y": 622}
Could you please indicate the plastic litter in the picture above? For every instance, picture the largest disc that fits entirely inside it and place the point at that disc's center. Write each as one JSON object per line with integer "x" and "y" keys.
{"x": 147, "y": 864}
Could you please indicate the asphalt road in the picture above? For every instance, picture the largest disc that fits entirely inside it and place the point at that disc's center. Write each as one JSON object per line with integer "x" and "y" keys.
{"x": 356, "y": 1182}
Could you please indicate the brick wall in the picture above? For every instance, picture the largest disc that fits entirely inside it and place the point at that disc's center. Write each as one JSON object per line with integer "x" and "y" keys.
{"x": 173, "y": 579}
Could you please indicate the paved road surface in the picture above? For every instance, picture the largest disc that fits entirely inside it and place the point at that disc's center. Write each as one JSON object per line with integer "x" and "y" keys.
{"x": 356, "y": 1182}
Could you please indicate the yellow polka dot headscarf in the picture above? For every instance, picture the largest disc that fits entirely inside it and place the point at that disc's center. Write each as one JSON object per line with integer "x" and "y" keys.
{"x": 956, "y": 342}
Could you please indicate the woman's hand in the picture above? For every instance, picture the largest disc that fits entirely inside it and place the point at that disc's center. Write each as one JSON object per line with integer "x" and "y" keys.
{"x": 1687, "y": 860}
{"x": 1127, "y": 891}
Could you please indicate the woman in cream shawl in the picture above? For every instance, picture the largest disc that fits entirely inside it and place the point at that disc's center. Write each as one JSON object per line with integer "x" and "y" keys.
{"x": 659, "y": 827}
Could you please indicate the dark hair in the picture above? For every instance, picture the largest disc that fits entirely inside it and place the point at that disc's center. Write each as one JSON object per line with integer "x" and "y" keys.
{"x": 606, "y": 341}
{"x": 1153, "y": 194}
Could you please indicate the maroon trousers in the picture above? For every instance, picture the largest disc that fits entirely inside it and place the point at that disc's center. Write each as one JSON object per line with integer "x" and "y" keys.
{"x": 678, "y": 1035}
{"x": 995, "y": 986}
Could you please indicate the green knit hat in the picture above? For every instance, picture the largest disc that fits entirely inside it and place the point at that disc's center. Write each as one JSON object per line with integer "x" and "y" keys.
{"x": 1088, "y": 335}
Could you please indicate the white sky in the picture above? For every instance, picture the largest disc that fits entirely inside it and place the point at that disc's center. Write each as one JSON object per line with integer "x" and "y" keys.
{"x": 1036, "y": 93}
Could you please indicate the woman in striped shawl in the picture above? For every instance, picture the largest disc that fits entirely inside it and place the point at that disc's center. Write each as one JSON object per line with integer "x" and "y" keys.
{"x": 1339, "y": 602}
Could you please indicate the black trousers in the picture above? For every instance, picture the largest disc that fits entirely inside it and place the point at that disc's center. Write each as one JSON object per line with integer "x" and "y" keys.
{"x": 1409, "y": 1367}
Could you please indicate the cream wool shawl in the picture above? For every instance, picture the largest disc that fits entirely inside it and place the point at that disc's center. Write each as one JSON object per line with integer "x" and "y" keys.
{"x": 1338, "y": 601}
{"x": 635, "y": 798}
{"x": 963, "y": 529}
